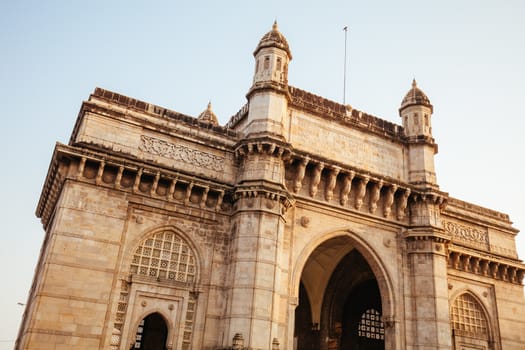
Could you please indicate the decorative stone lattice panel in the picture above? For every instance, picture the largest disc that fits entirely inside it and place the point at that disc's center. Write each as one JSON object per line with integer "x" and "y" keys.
{"x": 371, "y": 326}
{"x": 468, "y": 318}
{"x": 165, "y": 255}
{"x": 188, "y": 323}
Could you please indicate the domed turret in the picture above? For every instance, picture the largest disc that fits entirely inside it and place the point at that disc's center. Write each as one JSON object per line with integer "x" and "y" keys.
{"x": 274, "y": 38}
{"x": 269, "y": 95}
{"x": 416, "y": 111}
{"x": 415, "y": 96}
{"x": 208, "y": 116}
{"x": 272, "y": 56}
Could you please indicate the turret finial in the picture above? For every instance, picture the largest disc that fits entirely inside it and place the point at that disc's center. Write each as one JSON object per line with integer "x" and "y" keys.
{"x": 414, "y": 84}
{"x": 275, "y": 27}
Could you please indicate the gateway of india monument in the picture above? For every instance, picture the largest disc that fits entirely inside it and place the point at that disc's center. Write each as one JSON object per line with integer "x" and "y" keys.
{"x": 300, "y": 224}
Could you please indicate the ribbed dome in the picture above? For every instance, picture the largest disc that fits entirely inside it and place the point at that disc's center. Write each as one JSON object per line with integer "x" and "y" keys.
{"x": 415, "y": 96}
{"x": 274, "y": 38}
{"x": 208, "y": 116}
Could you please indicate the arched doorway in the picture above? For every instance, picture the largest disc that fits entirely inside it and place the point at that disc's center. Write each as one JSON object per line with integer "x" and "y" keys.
{"x": 151, "y": 334}
{"x": 340, "y": 304}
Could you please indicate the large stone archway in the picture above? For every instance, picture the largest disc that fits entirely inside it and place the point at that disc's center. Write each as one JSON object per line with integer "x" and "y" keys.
{"x": 344, "y": 296}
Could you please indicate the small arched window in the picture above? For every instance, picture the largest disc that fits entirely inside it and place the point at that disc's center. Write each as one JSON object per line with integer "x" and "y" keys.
{"x": 165, "y": 256}
{"x": 266, "y": 62}
{"x": 468, "y": 318}
{"x": 370, "y": 325}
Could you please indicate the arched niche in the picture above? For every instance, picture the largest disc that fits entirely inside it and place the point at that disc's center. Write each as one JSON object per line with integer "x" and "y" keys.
{"x": 470, "y": 323}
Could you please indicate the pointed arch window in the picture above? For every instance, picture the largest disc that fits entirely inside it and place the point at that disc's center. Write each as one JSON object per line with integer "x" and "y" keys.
{"x": 468, "y": 318}
{"x": 165, "y": 256}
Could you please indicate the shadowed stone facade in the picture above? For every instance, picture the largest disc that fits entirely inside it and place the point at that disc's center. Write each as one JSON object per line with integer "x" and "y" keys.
{"x": 301, "y": 224}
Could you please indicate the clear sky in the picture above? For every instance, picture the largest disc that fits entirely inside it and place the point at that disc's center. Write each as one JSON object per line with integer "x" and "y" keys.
{"x": 468, "y": 56}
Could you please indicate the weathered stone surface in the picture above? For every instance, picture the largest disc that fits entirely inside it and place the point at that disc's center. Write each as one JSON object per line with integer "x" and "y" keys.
{"x": 302, "y": 223}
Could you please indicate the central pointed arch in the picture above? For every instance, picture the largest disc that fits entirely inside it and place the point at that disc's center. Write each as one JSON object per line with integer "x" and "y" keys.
{"x": 321, "y": 263}
{"x": 365, "y": 249}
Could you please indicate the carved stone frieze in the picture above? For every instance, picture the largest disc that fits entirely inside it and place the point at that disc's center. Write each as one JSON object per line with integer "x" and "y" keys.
{"x": 467, "y": 234}
{"x": 181, "y": 153}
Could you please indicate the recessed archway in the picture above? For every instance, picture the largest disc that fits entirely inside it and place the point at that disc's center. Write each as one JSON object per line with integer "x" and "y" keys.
{"x": 341, "y": 297}
{"x": 151, "y": 333}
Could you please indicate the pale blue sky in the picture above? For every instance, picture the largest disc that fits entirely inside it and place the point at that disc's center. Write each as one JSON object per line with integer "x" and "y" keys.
{"x": 468, "y": 56}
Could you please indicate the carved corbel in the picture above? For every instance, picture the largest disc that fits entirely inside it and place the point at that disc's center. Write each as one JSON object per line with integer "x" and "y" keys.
{"x": 475, "y": 265}
{"x": 219, "y": 201}
{"x": 503, "y": 269}
{"x": 119, "y": 177}
{"x": 138, "y": 178}
{"x": 101, "y": 166}
{"x": 374, "y": 196}
{"x": 81, "y": 166}
{"x": 301, "y": 169}
{"x": 204, "y": 197}
{"x": 512, "y": 275}
{"x": 271, "y": 148}
{"x": 361, "y": 191}
{"x": 188, "y": 194}
{"x": 330, "y": 185}
{"x": 485, "y": 267}
{"x": 171, "y": 191}
{"x": 318, "y": 169}
{"x": 347, "y": 187}
{"x": 494, "y": 267}
{"x": 454, "y": 260}
{"x": 466, "y": 263}
{"x": 521, "y": 274}
{"x": 155, "y": 184}
{"x": 402, "y": 205}
{"x": 389, "y": 200}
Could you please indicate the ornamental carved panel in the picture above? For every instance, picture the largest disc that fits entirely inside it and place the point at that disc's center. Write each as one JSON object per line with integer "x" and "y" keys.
{"x": 181, "y": 153}
{"x": 467, "y": 234}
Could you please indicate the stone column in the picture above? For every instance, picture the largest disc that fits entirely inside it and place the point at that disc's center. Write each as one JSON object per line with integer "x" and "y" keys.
{"x": 427, "y": 259}
{"x": 256, "y": 248}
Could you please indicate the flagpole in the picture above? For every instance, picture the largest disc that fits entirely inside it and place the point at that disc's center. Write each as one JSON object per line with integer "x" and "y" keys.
{"x": 344, "y": 74}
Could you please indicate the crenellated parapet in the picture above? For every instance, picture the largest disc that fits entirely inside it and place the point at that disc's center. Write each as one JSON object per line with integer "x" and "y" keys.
{"x": 137, "y": 178}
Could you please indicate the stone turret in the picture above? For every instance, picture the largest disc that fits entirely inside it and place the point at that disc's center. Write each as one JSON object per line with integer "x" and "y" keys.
{"x": 416, "y": 113}
{"x": 268, "y": 96}
{"x": 272, "y": 56}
